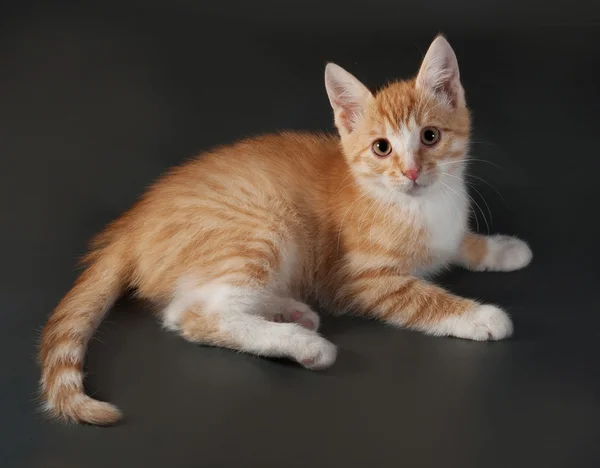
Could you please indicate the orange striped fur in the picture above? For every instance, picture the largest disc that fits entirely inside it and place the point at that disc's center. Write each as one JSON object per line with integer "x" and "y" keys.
{"x": 236, "y": 243}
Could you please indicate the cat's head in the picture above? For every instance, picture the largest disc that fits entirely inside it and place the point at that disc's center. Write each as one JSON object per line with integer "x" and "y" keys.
{"x": 410, "y": 135}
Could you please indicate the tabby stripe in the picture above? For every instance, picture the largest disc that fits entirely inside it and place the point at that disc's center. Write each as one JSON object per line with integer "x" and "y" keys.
{"x": 249, "y": 270}
{"x": 374, "y": 273}
{"x": 254, "y": 214}
{"x": 55, "y": 372}
{"x": 251, "y": 255}
{"x": 256, "y": 224}
{"x": 400, "y": 292}
{"x": 271, "y": 246}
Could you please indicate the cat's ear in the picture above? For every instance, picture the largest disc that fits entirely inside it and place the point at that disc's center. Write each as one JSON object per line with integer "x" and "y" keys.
{"x": 348, "y": 97}
{"x": 439, "y": 72}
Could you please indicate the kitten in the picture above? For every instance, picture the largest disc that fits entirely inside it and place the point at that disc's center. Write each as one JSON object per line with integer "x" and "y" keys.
{"x": 233, "y": 244}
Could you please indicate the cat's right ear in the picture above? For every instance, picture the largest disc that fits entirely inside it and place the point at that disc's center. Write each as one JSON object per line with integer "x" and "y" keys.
{"x": 439, "y": 73}
{"x": 349, "y": 98}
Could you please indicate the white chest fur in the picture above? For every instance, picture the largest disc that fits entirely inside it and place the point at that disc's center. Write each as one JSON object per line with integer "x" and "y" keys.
{"x": 443, "y": 212}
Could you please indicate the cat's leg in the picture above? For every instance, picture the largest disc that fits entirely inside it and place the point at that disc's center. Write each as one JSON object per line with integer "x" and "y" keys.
{"x": 410, "y": 302}
{"x": 235, "y": 296}
{"x": 233, "y": 317}
{"x": 493, "y": 253}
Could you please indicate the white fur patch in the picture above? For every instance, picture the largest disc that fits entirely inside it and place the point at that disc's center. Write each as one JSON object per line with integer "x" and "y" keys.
{"x": 258, "y": 336}
{"x": 443, "y": 209}
{"x": 241, "y": 316}
{"x": 288, "y": 265}
{"x": 68, "y": 352}
{"x": 211, "y": 298}
{"x": 484, "y": 322}
{"x": 406, "y": 140}
{"x": 505, "y": 253}
{"x": 69, "y": 378}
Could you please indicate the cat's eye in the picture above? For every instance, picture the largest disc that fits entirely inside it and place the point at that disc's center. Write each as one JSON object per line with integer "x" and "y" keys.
{"x": 430, "y": 136}
{"x": 382, "y": 148}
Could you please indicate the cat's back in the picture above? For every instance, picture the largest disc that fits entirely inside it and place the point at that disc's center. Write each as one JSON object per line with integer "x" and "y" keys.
{"x": 268, "y": 174}
{"x": 259, "y": 187}
{"x": 276, "y": 163}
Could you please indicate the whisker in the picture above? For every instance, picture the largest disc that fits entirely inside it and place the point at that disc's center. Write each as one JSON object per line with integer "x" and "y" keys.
{"x": 482, "y": 213}
{"x": 445, "y": 192}
{"x": 486, "y": 205}
{"x": 482, "y": 197}
{"x": 466, "y": 174}
{"x": 493, "y": 188}
{"x": 483, "y": 142}
{"x": 470, "y": 207}
{"x": 469, "y": 159}
{"x": 485, "y": 161}
{"x": 448, "y": 206}
{"x": 342, "y": 188}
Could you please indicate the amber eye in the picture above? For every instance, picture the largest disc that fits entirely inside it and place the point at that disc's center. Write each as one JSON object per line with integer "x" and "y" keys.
{"x": 430, "y": 136}
{"x": 382, "y": 147}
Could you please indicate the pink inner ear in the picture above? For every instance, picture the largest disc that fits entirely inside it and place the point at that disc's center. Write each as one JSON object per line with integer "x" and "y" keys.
{"x": 345, "y": 122}
{"x": 348, "y": 113}
{"x": 347, "y": 96}
{"x": 348, "y": 116}
{"x": 449, "y": 88}
{"x": 439, "y": 71}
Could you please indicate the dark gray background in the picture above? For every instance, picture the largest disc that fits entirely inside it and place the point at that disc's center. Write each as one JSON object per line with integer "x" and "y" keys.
{"x": 97, "y": 100}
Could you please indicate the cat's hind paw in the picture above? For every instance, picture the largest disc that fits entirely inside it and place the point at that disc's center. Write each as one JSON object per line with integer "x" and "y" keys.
{"x": 297, "y": 312}
{"x": 318, "y": 354}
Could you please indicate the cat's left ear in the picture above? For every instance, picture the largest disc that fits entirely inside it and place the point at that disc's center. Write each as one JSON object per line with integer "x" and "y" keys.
{"x": 348, "y": 97}
{"x": 439, "y": 73}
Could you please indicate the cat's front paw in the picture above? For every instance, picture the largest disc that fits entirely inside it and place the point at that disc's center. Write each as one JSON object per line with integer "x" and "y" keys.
{"x": 482, "y": 323}
{"x": 506, "y": 253}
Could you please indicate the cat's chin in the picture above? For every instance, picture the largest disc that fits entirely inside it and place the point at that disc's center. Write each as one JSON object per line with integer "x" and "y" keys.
{"x": 417, "y": 189}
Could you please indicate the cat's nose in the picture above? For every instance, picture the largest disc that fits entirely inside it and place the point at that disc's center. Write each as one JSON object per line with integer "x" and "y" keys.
{"x": 412, "y": 173}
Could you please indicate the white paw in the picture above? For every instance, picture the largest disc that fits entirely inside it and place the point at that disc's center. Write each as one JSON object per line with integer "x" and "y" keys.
{"x": 506, "y": 253}
{"x": 298, "y": 312}
{"x": 484, "y": 322}
{"x": 317, "y": 353}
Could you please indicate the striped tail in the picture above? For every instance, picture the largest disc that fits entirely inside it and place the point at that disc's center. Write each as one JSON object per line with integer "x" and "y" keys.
{"x": 66, "y": 335}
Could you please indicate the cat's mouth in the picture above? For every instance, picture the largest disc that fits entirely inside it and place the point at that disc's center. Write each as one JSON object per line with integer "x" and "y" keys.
{"x": 411, "y": 188}
{"x": 419, "y": 186}
{"x": 416, "y": 188}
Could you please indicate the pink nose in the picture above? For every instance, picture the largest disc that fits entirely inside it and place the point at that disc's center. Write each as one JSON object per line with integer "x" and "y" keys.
{"x": 412, "y": 173}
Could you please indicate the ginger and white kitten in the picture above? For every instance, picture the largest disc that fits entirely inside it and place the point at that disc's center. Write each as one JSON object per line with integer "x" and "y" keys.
{"x": 234, "y": 245}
